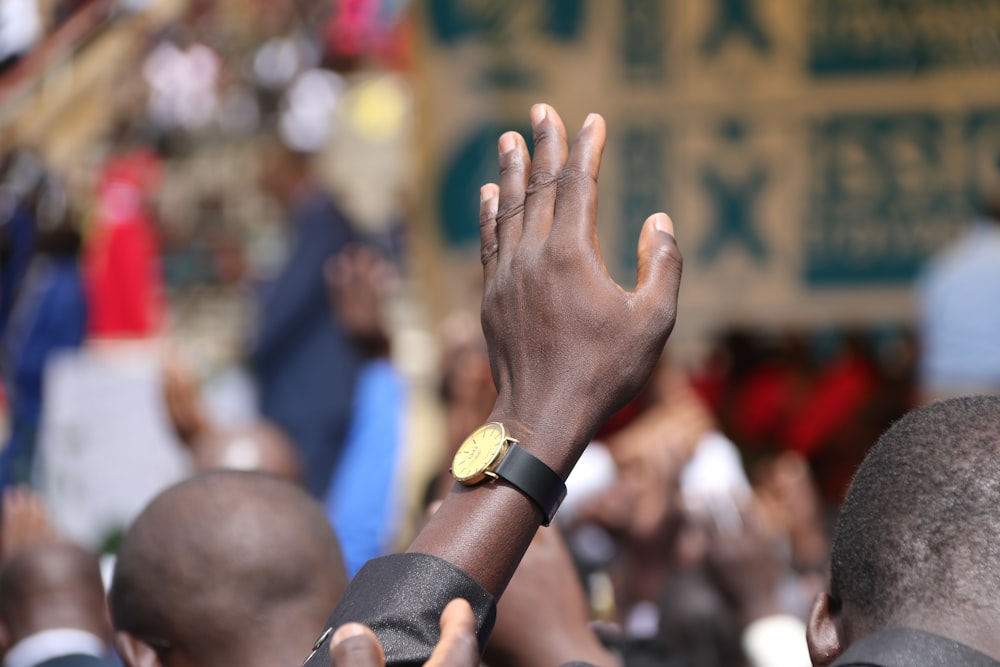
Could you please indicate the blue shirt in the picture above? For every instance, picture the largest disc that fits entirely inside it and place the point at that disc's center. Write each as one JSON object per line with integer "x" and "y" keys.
{"x": 361, "y": 501}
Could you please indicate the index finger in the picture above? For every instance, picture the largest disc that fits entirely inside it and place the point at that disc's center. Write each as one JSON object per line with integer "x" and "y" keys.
{"x": 458, "y": 646}
{"x": 576, "y": 193}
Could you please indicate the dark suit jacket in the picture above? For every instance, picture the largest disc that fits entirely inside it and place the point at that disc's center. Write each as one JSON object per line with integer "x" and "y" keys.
{"x": 79, "y": 660}
{"x": 304, "y": 362}
{"x": 903, "y": 647}
{"x": 401, "y": 598}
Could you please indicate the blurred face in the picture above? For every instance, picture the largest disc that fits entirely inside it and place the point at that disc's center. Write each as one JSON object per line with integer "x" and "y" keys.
{"x": 278, "y": 173}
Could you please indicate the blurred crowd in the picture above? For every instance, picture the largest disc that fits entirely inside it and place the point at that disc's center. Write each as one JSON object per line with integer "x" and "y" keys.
{"x": 703, "y": 506}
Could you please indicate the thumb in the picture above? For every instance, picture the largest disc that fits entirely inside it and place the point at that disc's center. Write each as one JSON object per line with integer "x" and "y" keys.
{"x": 659, "y": 278}
{"x": 354, "y": 645}
{"x": 458, "y": 646}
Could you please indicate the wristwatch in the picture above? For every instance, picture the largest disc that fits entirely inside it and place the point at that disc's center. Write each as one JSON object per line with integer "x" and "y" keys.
{"x": 490, "y": 452}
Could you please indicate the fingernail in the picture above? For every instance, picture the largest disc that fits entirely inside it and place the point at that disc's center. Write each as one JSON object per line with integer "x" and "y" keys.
{"x": 538, "y": 113}
{"x": 662, "y": 223}
{"x": 590, "y": 120}
{"x": 488, "y": 191}
{"x": 507, "y": 143}
{"x": 346, "y": 632}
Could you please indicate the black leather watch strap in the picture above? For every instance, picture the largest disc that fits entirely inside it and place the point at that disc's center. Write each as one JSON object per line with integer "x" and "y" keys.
{"x": 535, "y": 479}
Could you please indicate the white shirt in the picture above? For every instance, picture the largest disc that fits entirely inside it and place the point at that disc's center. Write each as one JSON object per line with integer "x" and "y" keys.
{"x": 20, "y": 26}
{"x": 49, "y": 644}
{"x": 959, "y": 296}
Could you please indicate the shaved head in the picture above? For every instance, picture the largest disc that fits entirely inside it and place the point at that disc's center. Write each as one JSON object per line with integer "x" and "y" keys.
{"x": 919, "y": 531}
{"x": 52, "y": 585}
{"x": 229, "y": 568}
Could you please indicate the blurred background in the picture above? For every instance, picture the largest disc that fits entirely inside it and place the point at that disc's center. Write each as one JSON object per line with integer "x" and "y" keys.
{"x": 161, "y": 157}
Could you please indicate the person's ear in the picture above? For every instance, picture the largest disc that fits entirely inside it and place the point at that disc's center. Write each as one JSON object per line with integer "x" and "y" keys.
{"x": 824, "y": 632}
{"x": 134, "y": 652}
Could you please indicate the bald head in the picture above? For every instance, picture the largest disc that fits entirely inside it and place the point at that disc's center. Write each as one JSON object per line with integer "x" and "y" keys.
{"x": 228, "y": 568}
{"x": 261, "y": 446}
{"x": 52, "y": 585}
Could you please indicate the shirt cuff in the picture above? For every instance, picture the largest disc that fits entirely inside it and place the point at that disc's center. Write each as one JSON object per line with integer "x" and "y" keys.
{"x": 401, "y": 597}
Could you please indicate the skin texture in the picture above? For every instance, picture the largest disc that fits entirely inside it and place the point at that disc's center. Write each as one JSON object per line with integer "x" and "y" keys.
{"x": 568, "y": 346}
{"x": 228, "y": 567}
{"x": 50, "y": 585}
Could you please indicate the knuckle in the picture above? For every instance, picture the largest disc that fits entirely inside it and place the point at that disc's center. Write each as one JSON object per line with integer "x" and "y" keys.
{"x": 509, "y": 211}
{"x": 672, "y": 255}
{"x": 510, "y": 164}
{"x": 487, "y": 217}
{"x": 544, "y": 134}
{"x": 541, "y": 180}
{"x": 519, "y": 264}
{"x": 662, "y": 308}
{"x": 488, "y": 252}
{"x": 574, "y": 178}
{"x": 668, "y": 255}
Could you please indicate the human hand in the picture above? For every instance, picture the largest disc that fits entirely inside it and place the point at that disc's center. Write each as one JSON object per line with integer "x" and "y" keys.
{"x": 543, "y": 618}
{"x": 25, "y": 521}
{"x": 568, "y": 346}
{"x": 748, "y": 570}
{"x": 787, "y": 497}
{"x": 357, "y": 282}
{"x": 183, "y": 401}
{"x": 355, "y": 645}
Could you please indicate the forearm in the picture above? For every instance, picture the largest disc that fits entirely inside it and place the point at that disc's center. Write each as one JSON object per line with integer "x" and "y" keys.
{"x": 485, "y": 529}
{"x": 482, "y": 530}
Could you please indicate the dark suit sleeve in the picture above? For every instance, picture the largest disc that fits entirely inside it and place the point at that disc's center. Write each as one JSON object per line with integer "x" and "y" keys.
{"x": 401, "y": 598}
{"x": 300, "y": 291}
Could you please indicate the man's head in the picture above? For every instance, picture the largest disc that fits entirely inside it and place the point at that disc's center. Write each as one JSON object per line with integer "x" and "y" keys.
{"x": 51, "y": 585}
{"x": 228, "y": 567}
{"x": 918, "y": 539}
{"x": 282, "y": 169}
{"x": 259, "y": 446}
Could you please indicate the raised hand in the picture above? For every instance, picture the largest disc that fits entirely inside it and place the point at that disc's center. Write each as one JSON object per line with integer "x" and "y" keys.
{"x": 568, "y": 345}
{"x": 25, "y": 522}
{"x": 183, "y": 401}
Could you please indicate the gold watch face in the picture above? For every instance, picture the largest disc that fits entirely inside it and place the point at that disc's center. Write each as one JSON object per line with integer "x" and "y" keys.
{"x": 479, "y": 451}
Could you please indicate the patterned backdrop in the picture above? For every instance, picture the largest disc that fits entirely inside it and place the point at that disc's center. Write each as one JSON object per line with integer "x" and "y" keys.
{"x": 813, "y": 154}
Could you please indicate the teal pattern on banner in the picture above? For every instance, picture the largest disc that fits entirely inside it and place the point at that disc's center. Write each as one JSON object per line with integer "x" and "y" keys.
{"x": 475, "y": 163}
{"x": 884, "y": 199}
{"x": 735, "y": 19}
{"x": 642, "y": 154}
{"x": 892, "y": 36}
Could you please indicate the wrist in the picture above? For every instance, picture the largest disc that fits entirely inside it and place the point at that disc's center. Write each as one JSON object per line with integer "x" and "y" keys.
{"x": 556, "y": 438}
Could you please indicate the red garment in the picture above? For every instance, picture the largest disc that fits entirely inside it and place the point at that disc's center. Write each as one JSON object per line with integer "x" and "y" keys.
{"x": 837, "y": 398}
{"x": 122, "y": 263}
